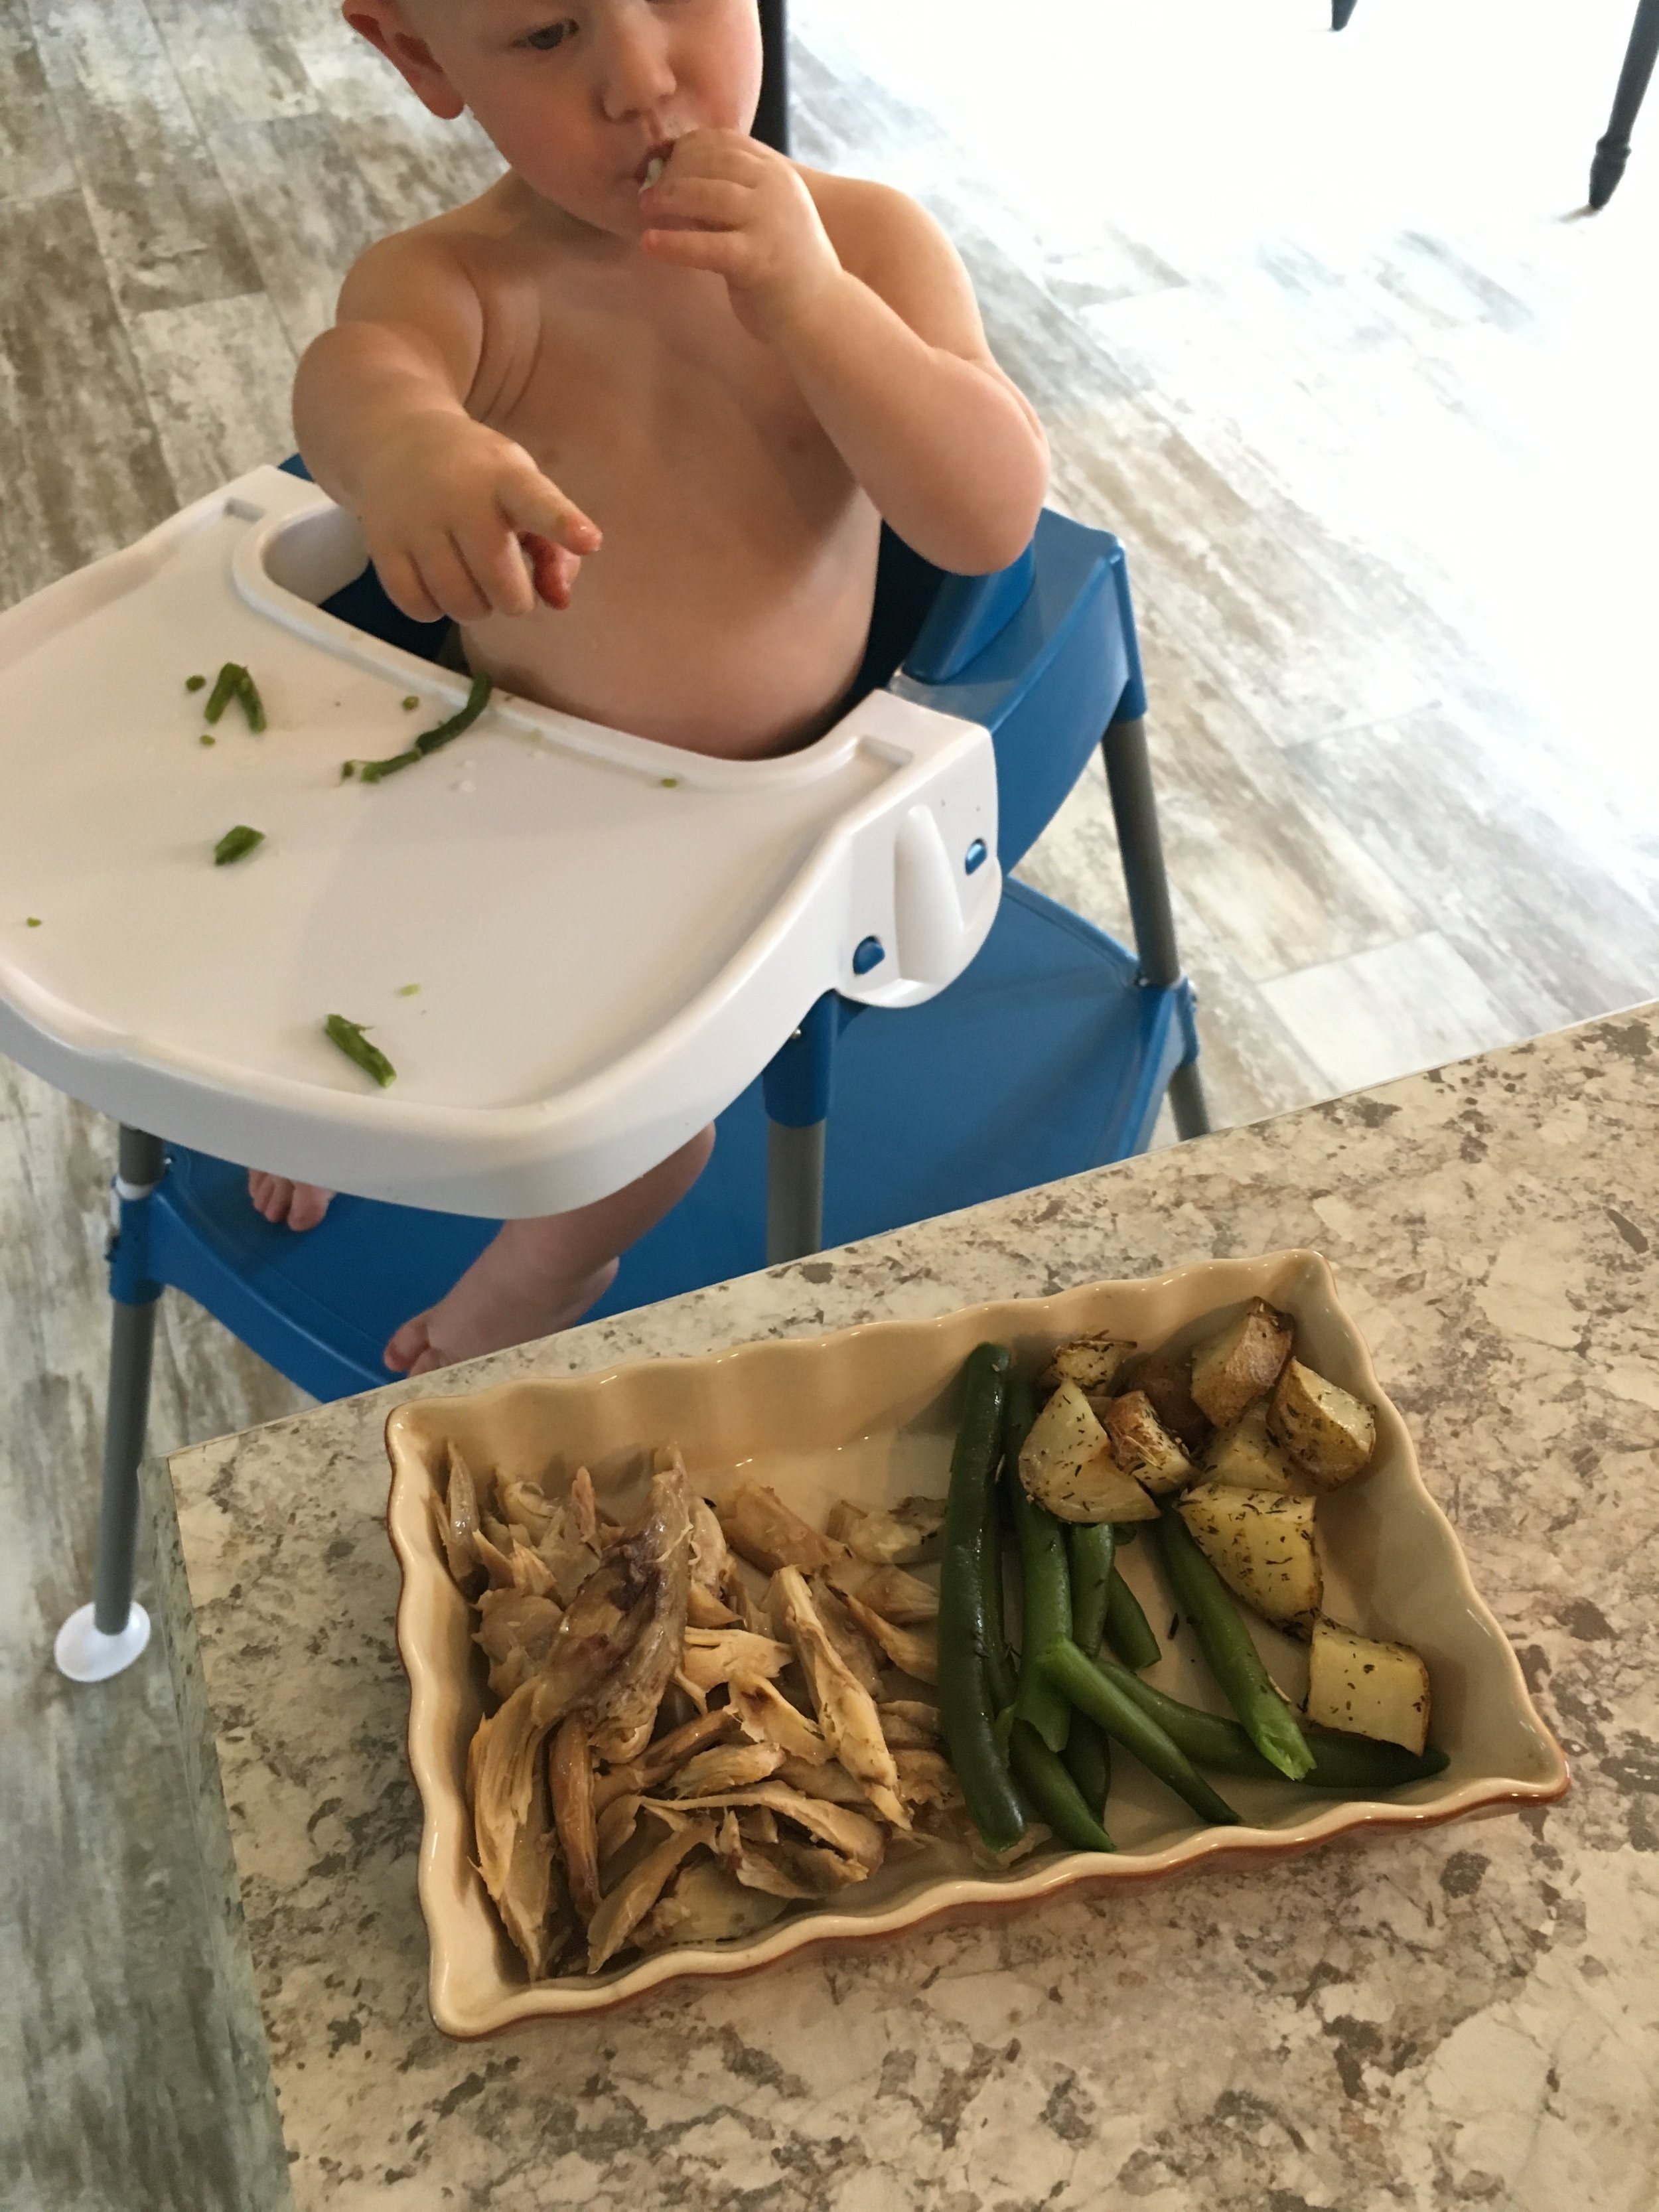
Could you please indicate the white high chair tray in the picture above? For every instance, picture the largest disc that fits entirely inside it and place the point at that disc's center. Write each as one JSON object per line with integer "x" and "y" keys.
{"x": 610, "y": 938}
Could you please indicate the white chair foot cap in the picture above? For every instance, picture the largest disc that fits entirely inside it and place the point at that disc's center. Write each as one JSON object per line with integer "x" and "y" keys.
{"x": 86, "y": 1655}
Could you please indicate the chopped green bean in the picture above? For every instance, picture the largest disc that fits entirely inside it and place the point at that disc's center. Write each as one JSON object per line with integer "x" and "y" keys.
{"x": 1127, "y": 1722}
{"x": 1128, "y": 1629}
{"x": 252, "y": 705}
{"x": 1228, "y": 1645}
{"x": 429, "y": 741}
{"x": 349, "y": 1037}
{"x": 32, "y": 921}
{"x": 1054, "y": 1793}
{"x": 966, "y": 1717}
{"x": 1344, "y": 1766}
{"x": 1046, "y": 1612}
{"x": 234, "y": 843}
{"x": 194, "y": 682}
{"x": 407, "y": 990}
{"x": 1088, "y": 1758}
{"x": 226, "y": 686}
{"x": 670, "y": 782}
{"x": 411, "y": 703}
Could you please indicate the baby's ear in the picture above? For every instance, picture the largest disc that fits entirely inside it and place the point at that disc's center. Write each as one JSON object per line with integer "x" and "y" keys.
{"x": 384, "y": 24}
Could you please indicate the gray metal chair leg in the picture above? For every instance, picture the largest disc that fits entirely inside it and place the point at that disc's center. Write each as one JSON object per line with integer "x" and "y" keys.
{"x": 1612, "y": 149}
{"x": 101, "y": 1638}
{"x": 1134, "y": 806}
{"x": 795, "y": 1191}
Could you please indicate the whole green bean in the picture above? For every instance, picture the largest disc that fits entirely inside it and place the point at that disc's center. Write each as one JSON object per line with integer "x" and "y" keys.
{"x": 1092, "y": 1547}
{"x": 966, "y": 1717}
{"x": 1088, "y": 1760}
{"x": 1128, "y": 1629}
{"x": 252, "y": 705}
{"x": 1054, "y": 1792}
{"x": 349, "y": 1037}
{"x": 235, "y": 842}
{"x": 1344, "y": 1766}
{"x": 998, "y": 1672}
{"x": 1127, "y": 1722}
{"x": 1226, "y": 1643}
{"x": 1045, "y": 1614}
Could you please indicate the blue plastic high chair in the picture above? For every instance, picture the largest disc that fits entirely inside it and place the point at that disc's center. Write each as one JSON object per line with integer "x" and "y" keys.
{"x": 1051, "y": 1054}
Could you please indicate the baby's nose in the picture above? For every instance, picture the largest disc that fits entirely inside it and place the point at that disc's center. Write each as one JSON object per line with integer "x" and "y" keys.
{"x": 635, "y": 74}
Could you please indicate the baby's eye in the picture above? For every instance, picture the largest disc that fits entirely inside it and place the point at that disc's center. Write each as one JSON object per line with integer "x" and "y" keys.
{"x": 553, "y": 34}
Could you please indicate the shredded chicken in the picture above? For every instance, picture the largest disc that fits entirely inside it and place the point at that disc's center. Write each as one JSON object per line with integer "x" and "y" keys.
{"x": 910, "y": 1531}
{"x": 908, "y": 1726}
{"x": 727, "y": 1766}
{"x": 826, "y": 1778}
{"x": 706, "y": 1905}
{"x": 853, "y": 1834}
{"x": 858, "y": 1652}
{"x": 892, "y": 1592}
{"x": 712, "y": 1655}
{"x": 457, "y": 1524}
{"x": 846, "y": 1711}
{"x": 768, "y": 1718}
{"x": 621, "y": 1910}
{"x": 571, "y": 1773}
{"x": 758, "y": 1524}
{"x": 913, "y": 1650}
{"x": 624, "y": 1706}
{"x": 670, "y": 1752}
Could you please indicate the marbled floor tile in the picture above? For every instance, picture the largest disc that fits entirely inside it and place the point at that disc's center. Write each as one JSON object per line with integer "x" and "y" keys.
{"x": 1397, "y": 1008}
{"x": 306, "y": 210}
{"x": 1536, "y": 916}
{"x": 168, "y": 233}
{"x": 219, "y": 378}
{"x": 34, "y": 158}
{"x": 83, "y": 470}
{"x": 232, "y": 61}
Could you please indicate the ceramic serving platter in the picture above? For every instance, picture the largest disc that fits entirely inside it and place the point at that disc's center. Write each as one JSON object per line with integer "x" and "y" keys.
{"x": 869, "y": 1414}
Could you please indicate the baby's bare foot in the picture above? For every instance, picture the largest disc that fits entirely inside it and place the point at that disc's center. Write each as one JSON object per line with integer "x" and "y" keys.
{"x": 514, "y": 1290}
{"x": 301, "y": 1204}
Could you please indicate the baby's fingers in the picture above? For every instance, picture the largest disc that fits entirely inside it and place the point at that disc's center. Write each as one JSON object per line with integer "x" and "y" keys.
{"x": 533, "y": 505}
{"x": 553, "y": 568}
{"x": 401, "y": 581}
{"x": 451, "y": 583}
{"x": 712, "y": 201}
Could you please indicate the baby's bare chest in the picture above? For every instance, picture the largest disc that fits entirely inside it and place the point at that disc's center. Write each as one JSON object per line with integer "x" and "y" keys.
{"x": 672, "y": 409}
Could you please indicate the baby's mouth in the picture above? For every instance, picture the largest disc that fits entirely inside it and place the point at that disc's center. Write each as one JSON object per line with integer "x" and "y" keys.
{"x": 654, "y": 164}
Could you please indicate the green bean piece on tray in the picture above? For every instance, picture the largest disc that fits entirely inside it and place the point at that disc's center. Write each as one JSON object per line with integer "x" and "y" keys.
{"x": 1047, "y": 1586}
{"x": 1228, "y": 1645}
{"x": 1343, "y": 1765}
{"x": 349, "y": 1037}
{"x": 429, "y": 741}
{"x": 226, "y": 685}
{"x": 235, "y": 843}
{"x": 1128, "y": 1629}
{"x": 1054, "y": 1792}
{"x": 1126, "y": 1722}
{"x": 966, "y": 1717}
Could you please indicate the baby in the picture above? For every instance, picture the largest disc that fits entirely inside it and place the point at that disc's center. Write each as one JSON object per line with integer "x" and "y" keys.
{"x": 633, "y": 419}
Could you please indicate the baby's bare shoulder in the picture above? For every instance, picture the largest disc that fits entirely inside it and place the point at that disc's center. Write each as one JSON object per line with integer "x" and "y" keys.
{"x": 890, "y": 242}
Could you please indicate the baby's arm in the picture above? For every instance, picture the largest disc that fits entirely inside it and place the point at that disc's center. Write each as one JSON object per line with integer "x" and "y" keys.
{"x": 884, "y": 337}
{"x": 380, "y": 408}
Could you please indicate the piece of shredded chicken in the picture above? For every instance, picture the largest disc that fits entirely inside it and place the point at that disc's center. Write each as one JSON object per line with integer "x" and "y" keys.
{"x": 908, "y": 1726}
{"x": 769, "y": 1535}
{"x": 905, "y": 1532}
{"x": 623, "y": 1908}
{"x": 712, "y": 1655}
{"x": 859, "y": 1652}
{"x": 767, "y": 1716}
{"x": 846, "y": 1711}
{"x": 890, "y": 1591}
{"x": 726, "y": 1766}
{"x": 911, "y": 1650}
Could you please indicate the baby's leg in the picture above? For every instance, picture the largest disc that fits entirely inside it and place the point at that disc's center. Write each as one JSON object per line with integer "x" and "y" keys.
{"x": 540, "y": 1276}
{"x": 301, "y": 1204}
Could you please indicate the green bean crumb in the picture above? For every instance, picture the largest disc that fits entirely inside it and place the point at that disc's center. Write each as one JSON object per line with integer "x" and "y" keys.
{"x": 348, "y": 769}
{"x": 408, "y": 990}
{"x": 32, "y": 921}
{"x": 411, "y": 703}
{"x": 670, "y": 783}
{"x": 207, "y": 738}
{"x": 195, "y": 682}
{"x": 235, "y": 842}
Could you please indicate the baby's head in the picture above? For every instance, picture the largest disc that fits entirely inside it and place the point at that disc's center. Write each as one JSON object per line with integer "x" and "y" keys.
{"x": 577, "y": 95}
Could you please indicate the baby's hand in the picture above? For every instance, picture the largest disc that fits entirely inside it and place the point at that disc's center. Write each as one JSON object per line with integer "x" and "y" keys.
{"x": 460, "y": 521}
{"x": 727, "y": 203}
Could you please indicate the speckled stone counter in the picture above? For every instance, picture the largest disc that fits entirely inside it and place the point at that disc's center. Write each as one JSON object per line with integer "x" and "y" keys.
{"x": 1466, "y": 2016}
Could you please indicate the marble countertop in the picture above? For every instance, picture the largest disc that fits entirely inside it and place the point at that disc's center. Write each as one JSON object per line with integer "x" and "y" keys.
{"x": 1467, "y": 2016}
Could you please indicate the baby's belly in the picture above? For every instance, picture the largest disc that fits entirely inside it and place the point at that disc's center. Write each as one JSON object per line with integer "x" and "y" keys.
{"x": 726, "y": 656}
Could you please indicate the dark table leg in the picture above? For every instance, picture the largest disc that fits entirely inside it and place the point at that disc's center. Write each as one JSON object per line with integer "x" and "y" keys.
{"x": 1614, "y": 150}
{"x": 772, "y": 116}
{"x": 1341, "y": 11}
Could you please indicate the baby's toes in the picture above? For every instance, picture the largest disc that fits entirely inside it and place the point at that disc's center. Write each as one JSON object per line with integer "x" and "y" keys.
{"x": 308, "y": 1204}
{"x": 410, "y": 1343}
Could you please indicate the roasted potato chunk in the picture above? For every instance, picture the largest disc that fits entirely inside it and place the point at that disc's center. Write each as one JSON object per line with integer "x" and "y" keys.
{"x": 1166, "y": 1378}
{"x": 1066, "y": 1465}
{"x": 1090, "y": 1362}
{"x": 1245, "y": 1457}
{"x": 1326, "y": 1429}
{"x": 1370, "y": 1688}
{"x": 1261, "y": 1545}
{"x": 1231, "y": 1370}
{"x": 1144, "y": 1448}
